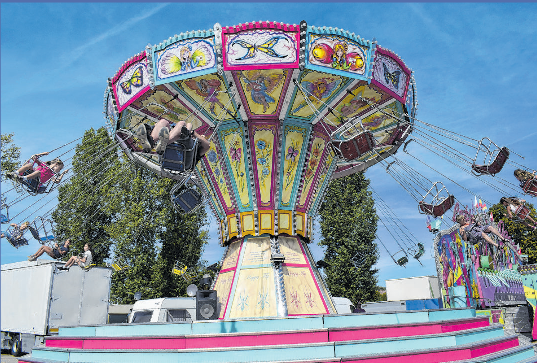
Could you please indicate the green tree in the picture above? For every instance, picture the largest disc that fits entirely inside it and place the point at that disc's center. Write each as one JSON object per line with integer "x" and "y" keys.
{"x": 348, "y": 225}
{"x": 10, "y": 155}
{"x": 521, "y": 234}
{"x": 83, "y": 213}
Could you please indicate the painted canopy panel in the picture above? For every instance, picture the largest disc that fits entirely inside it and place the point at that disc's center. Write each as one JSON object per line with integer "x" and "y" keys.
{"x": 390, "y": 74}
{"x": 314, "y": 92}
{"x": 217, "y": 170}
{"x": 335, "y": 53}
{"x": 263, "y": 48}
{"x": 264, "y": 140}
{"x": 209, "y": 93}
{"x": 131, "y": 81}
{"x": 233, "y": 144}
{"x": 262, "y": 90}
{"x": 184, "y": 58}
{"x": 292, "y": 159}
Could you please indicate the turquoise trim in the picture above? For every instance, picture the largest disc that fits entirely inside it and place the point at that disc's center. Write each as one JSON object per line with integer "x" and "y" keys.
{"x": 133, "y": 330}
{"x": 476, "y": 336}
{"x": 259, "y": 325}
{"x": 82, "y": 331}
{"x": 305, "y": 129}
{"x": 436, "y": 315}
{"x": 312, "y": 211}
{"x": 228, "y": 128}
{"x": 256, "y": 266}
{"x": 205, "y": 36}
{"x": 392, "y": 346}
{"x": 55, "y": 355}
{"x": 518, "y": 356}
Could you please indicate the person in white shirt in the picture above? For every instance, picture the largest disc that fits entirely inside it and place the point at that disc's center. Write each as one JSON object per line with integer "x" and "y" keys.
{"x": 516, "y": 207}
{"x": 83, "y": 260}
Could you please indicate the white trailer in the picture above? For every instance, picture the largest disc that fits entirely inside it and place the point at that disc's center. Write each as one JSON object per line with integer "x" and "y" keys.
{"x": 37, "y": 299}
{"x": 413, "y": 288}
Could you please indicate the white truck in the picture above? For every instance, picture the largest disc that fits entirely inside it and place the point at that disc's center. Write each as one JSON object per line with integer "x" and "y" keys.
{"x": 164, "y": 309}
{"x": 37, "y": 299}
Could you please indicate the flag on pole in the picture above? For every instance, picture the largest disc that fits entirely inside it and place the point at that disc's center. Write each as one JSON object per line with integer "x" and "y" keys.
{"x": 475, "y": 202}
{"x": 483, "y": 206}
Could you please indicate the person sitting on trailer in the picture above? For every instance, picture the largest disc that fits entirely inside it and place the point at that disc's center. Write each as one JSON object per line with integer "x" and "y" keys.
{"x": 44, "y": 171}
{"x": 16, "y": 232}
{"x": 55, "y": 252}
{"x": 528, "y": 181}
{"x": 83, "y": 260}
{"x": 475, "y": 233}
{"x": 163, "y": 133}
{"x": 516, "y": 208}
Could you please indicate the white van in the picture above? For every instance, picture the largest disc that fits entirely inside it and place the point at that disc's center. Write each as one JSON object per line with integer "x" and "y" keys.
{"x": 343, "y": 305}
{"x": 164, "y": 310}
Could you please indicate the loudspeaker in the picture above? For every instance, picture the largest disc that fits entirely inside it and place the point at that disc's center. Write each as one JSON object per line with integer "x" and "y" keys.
{"x": 206, "y": 305}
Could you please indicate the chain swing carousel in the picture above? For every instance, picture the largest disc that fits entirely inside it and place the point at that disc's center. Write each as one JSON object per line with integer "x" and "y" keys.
{"x": 286, "y": 108}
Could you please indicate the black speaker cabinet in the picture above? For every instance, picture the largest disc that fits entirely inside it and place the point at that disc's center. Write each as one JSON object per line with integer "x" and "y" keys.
{"x": 206, "y": 303}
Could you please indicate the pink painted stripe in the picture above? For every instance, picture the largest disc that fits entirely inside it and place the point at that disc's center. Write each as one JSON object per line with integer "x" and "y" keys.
{"x": 455, "y": 326}
{"x": 493, "y": 348}
{"x": 76, "y": 343}
{"x": 253, "y": 340}
{"x": 227, "y": 270}
{"x": 144, "y": 343}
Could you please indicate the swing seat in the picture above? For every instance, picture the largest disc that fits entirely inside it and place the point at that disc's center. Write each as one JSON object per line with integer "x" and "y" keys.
{"x": 522, "y": 212}
{"x": 180, "y": 156}
{"x": 4, "y": 219}
{"x": 358, "y": 146}
{"x": 402, "y": 261}
{"x": 37, "y": 237}
{"x": 33, "y": 186}
{"x": 421, "y": 251}
{"x": 439, "y": 209}
{"x": 15, "y": 242}
{"x": 496, "y": 166}
{"x": 188, "y": 200}
{"x": 88, "y": 267}
{"x": 530, "y": 187}
{"x": 399, "y": 135}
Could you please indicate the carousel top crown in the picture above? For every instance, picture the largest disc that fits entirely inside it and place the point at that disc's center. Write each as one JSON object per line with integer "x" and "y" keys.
{"x": 286, "y": 108}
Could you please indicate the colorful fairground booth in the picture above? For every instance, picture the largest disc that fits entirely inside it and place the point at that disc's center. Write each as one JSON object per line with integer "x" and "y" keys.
{"x": 286, "y": 108}
{"x": 493, "y": 280}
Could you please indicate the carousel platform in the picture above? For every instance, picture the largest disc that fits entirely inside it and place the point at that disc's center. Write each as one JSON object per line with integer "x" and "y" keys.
{"x": 454, "y": 335}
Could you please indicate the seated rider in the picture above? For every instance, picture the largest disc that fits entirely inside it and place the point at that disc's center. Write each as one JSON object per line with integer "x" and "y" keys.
{"x": 475, "y": 233}
{"x": 55, "y": 252}
{"x": 523, "y": 176}
{"x": 16, "y": 232}
{"x": 512, "y": 205}
{"x": 83, "y": 260}
{"x": 163, "y": 136}
{"x": 44, "y": 170}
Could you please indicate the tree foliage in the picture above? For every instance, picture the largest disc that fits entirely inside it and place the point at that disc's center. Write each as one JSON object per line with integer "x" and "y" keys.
{"x": 10, "y": 154}
{"x": 82, "y": 213}
{"x": 348, "y": 226}
{"x": 125, "y": 211}
{"x": 519, "y": 232}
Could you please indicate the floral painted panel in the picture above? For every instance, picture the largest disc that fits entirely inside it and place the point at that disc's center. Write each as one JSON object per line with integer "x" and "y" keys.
{"x": 209, "y": 186}
{"x": 322, "y": 179}
{"x": 264, "y": 163}
{"x": 233, "y": 140}
{"x": 218, "y": 173}
{"x": 317, "y": 148}
{"x": 295, "y": 137}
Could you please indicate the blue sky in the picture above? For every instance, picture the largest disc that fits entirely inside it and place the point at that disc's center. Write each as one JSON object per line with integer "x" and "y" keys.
{"x": 473, "y": 65}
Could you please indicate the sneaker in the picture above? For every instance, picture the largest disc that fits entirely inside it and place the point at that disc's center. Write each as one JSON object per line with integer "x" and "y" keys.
{"x": 13, "y": 175}
{"x": 32, "y": 258}
{"x": 63, "y": 268}
{"x": 186, "y": 133}
{"x": 163, "y": 138}
{"x": 141, "y": 133}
